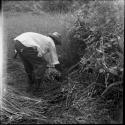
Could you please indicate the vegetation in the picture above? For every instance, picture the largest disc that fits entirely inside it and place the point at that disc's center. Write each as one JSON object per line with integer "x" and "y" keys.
{"x": 92, "y": 56}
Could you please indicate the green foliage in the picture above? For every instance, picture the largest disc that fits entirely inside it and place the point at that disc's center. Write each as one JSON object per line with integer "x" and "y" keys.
{"x": 58, "y": 6}
{"x": 100, "y": 17}
{"x": 54, "y": 6}
{"x": 96, "y": 35}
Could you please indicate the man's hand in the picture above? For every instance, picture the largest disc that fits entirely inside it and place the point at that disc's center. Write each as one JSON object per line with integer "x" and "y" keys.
{"x": 53, "y": 74}
{"x": 15, "y": 54}
{"x": 58, "y": 67}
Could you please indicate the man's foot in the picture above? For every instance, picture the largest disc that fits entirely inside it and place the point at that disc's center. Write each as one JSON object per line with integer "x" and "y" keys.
{"x": 37, "y": 85}
{"x": 36, "y": 89}
{"x": 29, "y": 88}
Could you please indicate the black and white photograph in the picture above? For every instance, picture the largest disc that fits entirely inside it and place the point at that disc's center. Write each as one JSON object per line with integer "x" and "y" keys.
{"x": 62, "y": 61}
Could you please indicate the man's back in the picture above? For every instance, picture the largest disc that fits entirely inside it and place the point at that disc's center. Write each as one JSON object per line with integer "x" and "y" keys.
{"x": 31, "y": 39}
{"x": 45, "y": 45}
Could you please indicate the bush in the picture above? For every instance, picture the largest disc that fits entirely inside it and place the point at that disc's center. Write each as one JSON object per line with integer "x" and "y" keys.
{"x": 61, "y": 6}
{"x": 98, "y": 17}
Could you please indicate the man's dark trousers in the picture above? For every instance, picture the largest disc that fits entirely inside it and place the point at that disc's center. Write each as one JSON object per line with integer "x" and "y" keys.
{"x": 31, "y": 62}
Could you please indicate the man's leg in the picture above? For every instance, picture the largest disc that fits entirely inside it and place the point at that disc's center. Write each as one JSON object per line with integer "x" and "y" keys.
{"x": 38, "y": 65}
{"x": 27, "y": 65}
{"x": 31, "y": 63}
{"x": 29, "y": 70}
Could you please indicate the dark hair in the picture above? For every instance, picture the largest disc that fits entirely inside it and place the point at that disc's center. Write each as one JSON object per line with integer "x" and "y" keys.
{"x": 56, "y": 40}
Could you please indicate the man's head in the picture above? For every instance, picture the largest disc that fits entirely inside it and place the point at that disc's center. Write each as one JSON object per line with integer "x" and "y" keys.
{"x": 56, "y": 38}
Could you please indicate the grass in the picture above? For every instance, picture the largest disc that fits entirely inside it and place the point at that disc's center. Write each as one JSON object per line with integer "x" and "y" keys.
{"x": 19, "y": 106}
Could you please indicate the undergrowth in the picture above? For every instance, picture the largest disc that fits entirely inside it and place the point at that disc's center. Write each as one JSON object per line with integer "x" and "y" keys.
{"x": 91, "y": 91}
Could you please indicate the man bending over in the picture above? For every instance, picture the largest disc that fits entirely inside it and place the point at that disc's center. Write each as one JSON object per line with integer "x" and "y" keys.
{"x": 34, "y": 49}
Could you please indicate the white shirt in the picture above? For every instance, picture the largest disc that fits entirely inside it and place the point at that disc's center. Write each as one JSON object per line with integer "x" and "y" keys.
{"x": 45, "y": 46}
